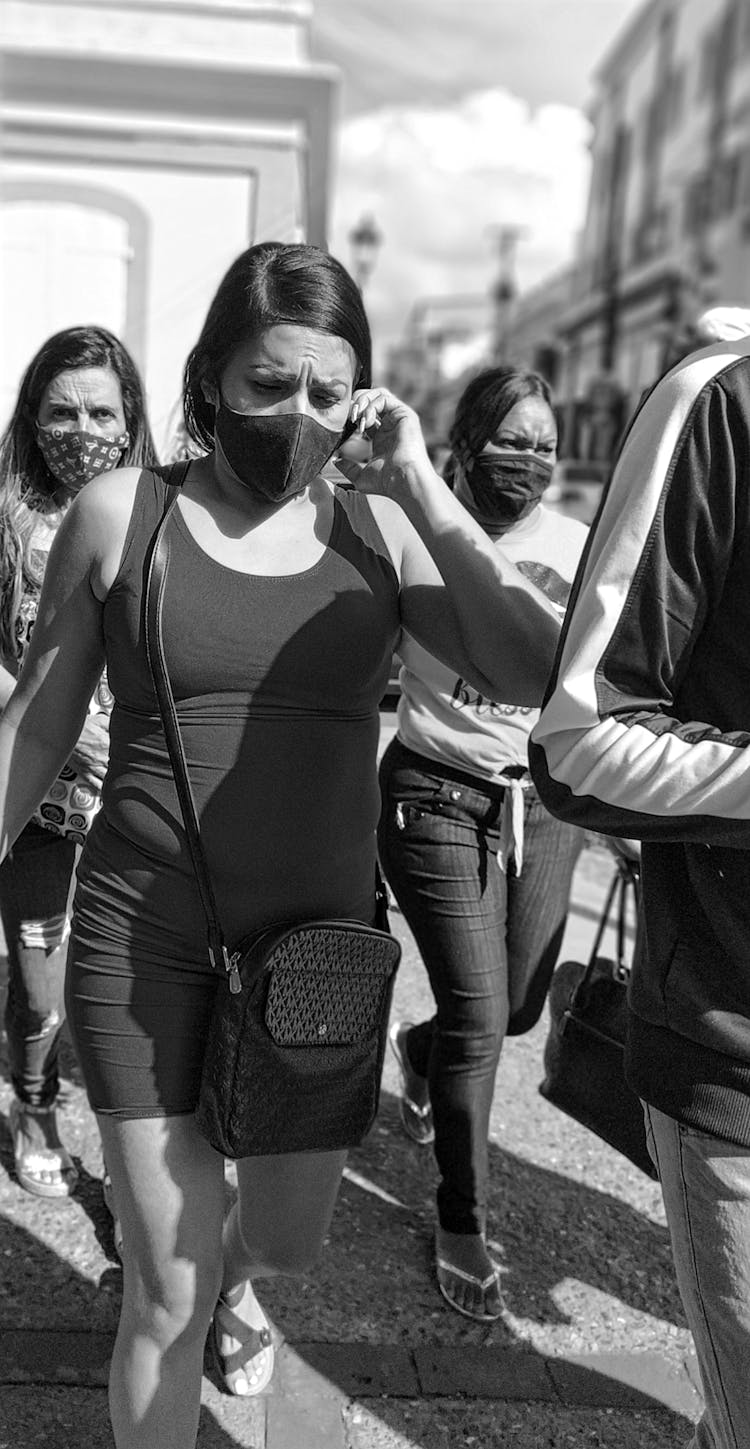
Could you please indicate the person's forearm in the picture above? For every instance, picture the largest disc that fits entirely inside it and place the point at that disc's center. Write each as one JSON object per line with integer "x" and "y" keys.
{"x": 509, "y": 628}
{"x": 31, "y": 757}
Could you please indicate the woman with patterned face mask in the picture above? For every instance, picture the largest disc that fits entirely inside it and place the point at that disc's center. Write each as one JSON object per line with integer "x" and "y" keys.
{"x": 80, "y": 412}
{"x": 480, "y": 870}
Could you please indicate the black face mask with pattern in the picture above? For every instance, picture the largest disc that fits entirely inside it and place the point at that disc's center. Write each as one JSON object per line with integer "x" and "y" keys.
{"x": 506, "y": 487}
{"x": 74, "y": 458}
{"x": 274, "y": 454}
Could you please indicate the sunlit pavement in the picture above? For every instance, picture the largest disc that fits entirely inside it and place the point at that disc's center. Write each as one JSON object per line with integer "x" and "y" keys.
{"x": 592, "y": 1349}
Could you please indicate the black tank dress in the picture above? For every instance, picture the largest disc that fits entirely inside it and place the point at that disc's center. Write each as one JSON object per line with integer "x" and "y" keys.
{"x": 277, "y": 682}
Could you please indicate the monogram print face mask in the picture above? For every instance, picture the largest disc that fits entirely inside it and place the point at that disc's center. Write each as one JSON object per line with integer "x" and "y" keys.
{"x": 75, "y": 458}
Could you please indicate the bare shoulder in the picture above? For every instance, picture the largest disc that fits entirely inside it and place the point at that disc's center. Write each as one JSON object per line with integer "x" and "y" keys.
{"x": 391, "y": 520}
{"x": 96, "y": 524}
{"x": 108, "y": 498}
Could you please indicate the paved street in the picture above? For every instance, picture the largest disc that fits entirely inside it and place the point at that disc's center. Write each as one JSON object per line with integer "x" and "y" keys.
{"x": 592, "y": 1350}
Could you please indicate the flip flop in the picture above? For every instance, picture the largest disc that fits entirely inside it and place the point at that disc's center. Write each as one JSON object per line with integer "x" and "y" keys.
{"x": 45, "y": 1171}
{"x": 445, "y": 1271}
{"x": 416, "y": 1116}
{"x": 254, "y": 1342}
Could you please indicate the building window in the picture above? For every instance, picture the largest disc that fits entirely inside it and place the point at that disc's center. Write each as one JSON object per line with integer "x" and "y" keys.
{"x": 709, "y": 58}
{"x": 675, "y": 103}
{"x": 697, "y": 204}
{"x": 650, "y": 234}
{"x": 726, "y": 185}
{"x": 715, "y": 194}
{"x": 653, "y": 127}
{"x": 736, "y": 14}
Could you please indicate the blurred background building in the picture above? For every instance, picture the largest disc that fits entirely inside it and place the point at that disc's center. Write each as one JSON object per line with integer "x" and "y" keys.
{"x": 445, "y": 339}
{"x": 146, "y": 143}
{"x": 666, "y": 233}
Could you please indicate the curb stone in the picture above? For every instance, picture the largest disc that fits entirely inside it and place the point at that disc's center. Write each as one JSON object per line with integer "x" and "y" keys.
{"x": 484, "y": 1373}
{"x": 330, "y": 1374}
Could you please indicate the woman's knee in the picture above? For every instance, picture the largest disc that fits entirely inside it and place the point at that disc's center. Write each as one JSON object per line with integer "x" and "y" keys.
{"x": 283, "y": 1212}
{"x": 291, "y": 1258}
{"x": 286, "y": 1254}
{"x": 475, "y": 1040}
{"x": 170, "y": 1300}
{"x": 169, "y": 1196}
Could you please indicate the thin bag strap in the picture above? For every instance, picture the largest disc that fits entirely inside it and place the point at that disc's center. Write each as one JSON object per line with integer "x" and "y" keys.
{"x": 153, "y": 602}
{"x": 623, "y": 881}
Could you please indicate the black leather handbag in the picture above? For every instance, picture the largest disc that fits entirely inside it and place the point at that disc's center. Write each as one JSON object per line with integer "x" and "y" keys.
{"x": 585, "y": 1048}
{"x": 297, "y": 1035}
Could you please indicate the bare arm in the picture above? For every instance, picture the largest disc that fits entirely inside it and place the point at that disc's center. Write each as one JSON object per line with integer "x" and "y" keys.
{"x": 460, "y": 598}
{"x": 45, "y": 713}
{"x": 91, "y": 750}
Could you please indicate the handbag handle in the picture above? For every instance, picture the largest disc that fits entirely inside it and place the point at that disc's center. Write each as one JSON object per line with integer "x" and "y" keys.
{"x": 153, "y": 605}
{"x": 156, "y": 578}
{"x": 623, "y": 881}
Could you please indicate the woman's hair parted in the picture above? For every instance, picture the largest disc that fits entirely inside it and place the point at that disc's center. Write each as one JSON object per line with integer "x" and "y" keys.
{"x": 483, "y": 405}
{"x": 271, "y": 283}
{"x": 27, "y": 486}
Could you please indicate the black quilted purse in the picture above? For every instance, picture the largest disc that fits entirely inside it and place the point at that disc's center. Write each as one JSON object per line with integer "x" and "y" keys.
{"x": 295, "y": 1048}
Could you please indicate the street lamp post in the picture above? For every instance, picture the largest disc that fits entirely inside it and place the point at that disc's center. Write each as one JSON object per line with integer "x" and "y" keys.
{"x": 365, "y": 240}
{"x": 504, "y": 291}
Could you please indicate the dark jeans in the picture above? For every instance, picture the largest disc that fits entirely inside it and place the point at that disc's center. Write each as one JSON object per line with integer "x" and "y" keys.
{"x": 34, "y": 885}
{"x": 489, "y": 942}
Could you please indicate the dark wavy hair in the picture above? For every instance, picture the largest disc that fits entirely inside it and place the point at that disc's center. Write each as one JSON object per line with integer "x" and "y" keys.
{"x": 483, "y": 404}
{"x": 27, "y": 487}
{"x": 267, "y": 284}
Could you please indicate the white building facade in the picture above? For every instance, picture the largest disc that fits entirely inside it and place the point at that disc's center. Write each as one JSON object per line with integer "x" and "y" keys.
{"x": 145, "y": 144}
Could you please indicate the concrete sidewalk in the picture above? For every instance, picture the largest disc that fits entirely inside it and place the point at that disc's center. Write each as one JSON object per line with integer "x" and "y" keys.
{"x": 593, "y": 1349}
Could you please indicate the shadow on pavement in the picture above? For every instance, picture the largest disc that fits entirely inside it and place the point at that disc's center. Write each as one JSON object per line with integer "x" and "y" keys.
{"x": 375, "y": 1286}
{"x": 375, "y": 1280}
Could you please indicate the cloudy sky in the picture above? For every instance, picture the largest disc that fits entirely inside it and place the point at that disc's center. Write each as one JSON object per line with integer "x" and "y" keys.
{"x": 459, "y": 116}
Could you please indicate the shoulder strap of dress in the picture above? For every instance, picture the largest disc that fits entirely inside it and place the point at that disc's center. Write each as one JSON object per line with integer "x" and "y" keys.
{"x": 361, "y": 519}
{"x": 173, "y": 476}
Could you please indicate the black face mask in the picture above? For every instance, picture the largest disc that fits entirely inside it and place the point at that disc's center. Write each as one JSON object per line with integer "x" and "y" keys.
{"x": 506, "y": 487}
{"x": 274, "y": 454}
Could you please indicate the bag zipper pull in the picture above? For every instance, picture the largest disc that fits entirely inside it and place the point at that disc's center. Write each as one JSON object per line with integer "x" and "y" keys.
{"x": 231, "y": 967}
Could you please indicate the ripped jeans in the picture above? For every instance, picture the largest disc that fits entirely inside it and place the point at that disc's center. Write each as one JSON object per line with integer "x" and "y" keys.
{"x": 35, "y": 880}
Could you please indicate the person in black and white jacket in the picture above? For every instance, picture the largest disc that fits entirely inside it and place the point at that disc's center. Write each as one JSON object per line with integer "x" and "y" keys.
{"x": 646, "y": 733}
